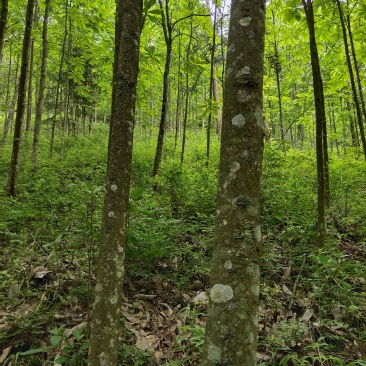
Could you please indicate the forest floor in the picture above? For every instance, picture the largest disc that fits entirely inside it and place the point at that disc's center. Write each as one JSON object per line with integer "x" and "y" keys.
{"x": 313, "y": 302}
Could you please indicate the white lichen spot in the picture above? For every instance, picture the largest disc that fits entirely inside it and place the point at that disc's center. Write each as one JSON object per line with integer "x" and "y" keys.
{"x": 98, "y": 287}
{"x": 224, "y": 222}
{"x": 229, "y": 252}
{"x": 102, "y": 359}
{"x": 245, "y": 21}
{"x": 113, "y": 299}
{"x": 228, "y": 265}
{"x": 255, "y": 290}
{"x": 258, "y": 233}
{"x": 111, "y": 214}
{"x": 238, "y": 120}
{"x": 231, "y": 48}
{"x": 135, "y": 41}
{"x": 244, "y": 71}
{"x": 221, "y": 293}
{"x": 214, "y": 353}
{"x": 113, "y": 187}
{"x": 119, "y": 274}
{"x": 235, "y": 166}
{"x": 243, "y": 96}
{"x": 119, "y": 248}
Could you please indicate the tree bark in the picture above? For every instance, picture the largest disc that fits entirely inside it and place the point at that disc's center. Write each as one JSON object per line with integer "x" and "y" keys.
{"x": 15, "y": 157}
{"x": 209, "y": 120}
{"x": 11, "y": 107}
{"x": 186, "y": 104}
{"x": 57, "y": 101}
{"x": 352, "y": 79}
{"x": 42, "y": 84}
{"x": 105, "y": 325}
{"x": 320, "y": 119}
{"x": 232, "y": 324}
{"x": 354, "y": 57}
{"x": 167, "y": 29}
{"x": 3, "y": 21}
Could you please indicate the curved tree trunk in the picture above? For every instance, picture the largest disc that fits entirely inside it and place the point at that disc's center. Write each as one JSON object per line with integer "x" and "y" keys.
{"x": 104, "y": 339}
{"x": 15, "y": 157}
{"x": 232, "y": 324}
{"x": 42, "y": 84}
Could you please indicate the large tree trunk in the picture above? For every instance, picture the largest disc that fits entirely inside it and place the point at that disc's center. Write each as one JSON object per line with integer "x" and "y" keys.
{"x": 320, "y": 120}
{"x": 352, "y": 79}
{"x": 42, "y": 84}
{"x": 15, "y": 157}
{"x": 232, "y": 324}
{"x": 105, "y": 328}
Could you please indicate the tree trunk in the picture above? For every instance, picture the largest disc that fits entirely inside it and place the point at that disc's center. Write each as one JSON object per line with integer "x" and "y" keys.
{"x": 3, "y": 21}
{"x": 186, "y": 105}
{"x": 358, "y": 77}
{"x": 104, "y": 339}
{"x": 232, "y": 324}
{"x": 42, "y": 84}
{"x": 277, "y": 69}
{"x": 57, "y": 101}
{"x": 167, "y": 28}
{"x": 209, "y": 120}
{"x": 9, "y": 115}
{"x": 178, "y": 105}
{"x": 352, "y": 79}
{"x": 320, "y": 119}
{"x": 15, "y": 157}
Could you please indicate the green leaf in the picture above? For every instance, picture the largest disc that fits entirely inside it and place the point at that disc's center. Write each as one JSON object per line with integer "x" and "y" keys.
{"x": 56, "y": 340}
{"x": 137, "y": 193}
{"x": 34, "y": 351}
{"x": 77, "y": 334}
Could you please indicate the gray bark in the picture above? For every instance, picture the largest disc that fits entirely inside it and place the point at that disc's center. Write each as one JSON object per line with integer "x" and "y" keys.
{"x": 105, "y": 325}
{"x": 232, "y": 324}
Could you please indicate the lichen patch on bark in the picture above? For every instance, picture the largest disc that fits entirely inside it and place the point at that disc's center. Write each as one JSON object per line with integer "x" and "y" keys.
{"x": 245, "y": 21}
{"x": 238, "y": 120}
{"x": 221, "y": 293}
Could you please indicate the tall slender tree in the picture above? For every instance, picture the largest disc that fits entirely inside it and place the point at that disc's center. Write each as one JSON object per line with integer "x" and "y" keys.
{"x": 320, "y": 120}
{"x": 352, "y": 78}
{"x": 15, "y": 157}
{"x": 42, "y": 85}
{"x": 232, "y": 324}
{"x": 3, "y": 20}
{"x": 108, "y": 290}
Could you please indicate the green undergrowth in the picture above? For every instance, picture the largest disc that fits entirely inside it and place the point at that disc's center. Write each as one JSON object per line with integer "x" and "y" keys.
{"x": 312, "y": 299}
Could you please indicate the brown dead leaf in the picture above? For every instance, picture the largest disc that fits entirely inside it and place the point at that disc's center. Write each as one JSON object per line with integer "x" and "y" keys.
{"x": 286, "y": 274}
{"x": 307, "y": 315}
{"x": 5, "y": 354}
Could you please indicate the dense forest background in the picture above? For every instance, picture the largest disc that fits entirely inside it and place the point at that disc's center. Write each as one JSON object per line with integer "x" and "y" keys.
{"x": 312, "y": 296}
